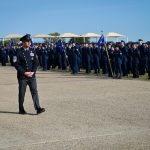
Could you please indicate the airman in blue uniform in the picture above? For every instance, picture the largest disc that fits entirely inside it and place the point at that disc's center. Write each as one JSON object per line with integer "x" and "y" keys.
{"x": 44, "y": 58}
{"x": 4, "y": 56}
{"x": 26, "y": 66}
{"x": 96, "y": 58}
{"x": 142, "y": 64}
{"x": 124, "y": 51}
{"x": 87, "y": 53}
{"x": 118, "y": 61}
{"x": 12, "y": 53}
{"x": 129, "y": 63}
{"x": 104, "y": 60}
{"x": 135, "y": 60}
{"x": 111, "y": 66}
{"x": 148, "y": 63}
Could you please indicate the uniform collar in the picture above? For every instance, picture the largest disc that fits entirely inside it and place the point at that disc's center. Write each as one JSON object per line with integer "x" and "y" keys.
{"x": 26, "y": 49}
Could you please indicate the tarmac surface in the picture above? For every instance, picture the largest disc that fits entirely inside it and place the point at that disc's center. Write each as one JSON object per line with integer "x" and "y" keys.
{"x": 83, "y": 112}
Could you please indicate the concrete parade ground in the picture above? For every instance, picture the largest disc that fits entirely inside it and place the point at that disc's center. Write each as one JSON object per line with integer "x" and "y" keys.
{"x": 83, "y": 112}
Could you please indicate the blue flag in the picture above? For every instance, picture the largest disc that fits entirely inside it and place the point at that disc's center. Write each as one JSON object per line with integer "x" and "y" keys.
{"x": 60, "y": 45}
{"x": 101, "y": 41}
{"x": 12, "y": 42}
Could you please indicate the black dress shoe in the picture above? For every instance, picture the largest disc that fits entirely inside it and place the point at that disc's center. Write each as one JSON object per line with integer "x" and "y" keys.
{"x": 22, "y": 112}
{"x": 40, "y": 110}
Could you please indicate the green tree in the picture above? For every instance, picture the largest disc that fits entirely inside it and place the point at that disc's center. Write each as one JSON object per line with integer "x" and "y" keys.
{"x": 54, "y": 40}
{"x": 8, "y": 42}
{"x": 81, "y": 40}
{"x": 54, "y": 34}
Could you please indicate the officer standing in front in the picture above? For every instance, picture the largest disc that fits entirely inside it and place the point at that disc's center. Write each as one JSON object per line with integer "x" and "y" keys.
{"x": 26, "y": 66}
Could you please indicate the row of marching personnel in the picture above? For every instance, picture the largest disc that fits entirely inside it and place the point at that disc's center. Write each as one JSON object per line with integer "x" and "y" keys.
{"x": 113, "y": 59}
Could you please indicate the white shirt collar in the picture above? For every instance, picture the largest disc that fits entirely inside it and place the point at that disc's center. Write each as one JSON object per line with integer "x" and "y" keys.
{"x": 26, "y": 49}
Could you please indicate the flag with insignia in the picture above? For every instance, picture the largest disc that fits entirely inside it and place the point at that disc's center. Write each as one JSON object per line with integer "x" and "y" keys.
{"x": 101, "y": 41}
{"x": 60, "y": 45}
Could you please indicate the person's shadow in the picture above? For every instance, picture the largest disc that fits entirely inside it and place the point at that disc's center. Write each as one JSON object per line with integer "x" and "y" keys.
{"x": 9, "y": 112}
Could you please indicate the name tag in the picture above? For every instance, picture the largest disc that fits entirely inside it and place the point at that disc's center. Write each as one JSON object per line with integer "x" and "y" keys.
{"x": 15, "y": 59}
{"x": 31, "y": 54}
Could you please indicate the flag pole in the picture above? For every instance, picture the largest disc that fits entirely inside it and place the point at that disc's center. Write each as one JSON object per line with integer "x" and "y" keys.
{"x": 3, "y": 41}
{"x": 109, "y": 62}
{"x": 102, "y": 40}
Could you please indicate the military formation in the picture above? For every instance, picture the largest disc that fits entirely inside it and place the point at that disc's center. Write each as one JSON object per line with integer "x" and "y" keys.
{"x": 112, "y": 59}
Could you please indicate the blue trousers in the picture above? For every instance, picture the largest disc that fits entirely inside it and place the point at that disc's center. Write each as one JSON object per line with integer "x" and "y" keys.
{"x": 33, "y": 89}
